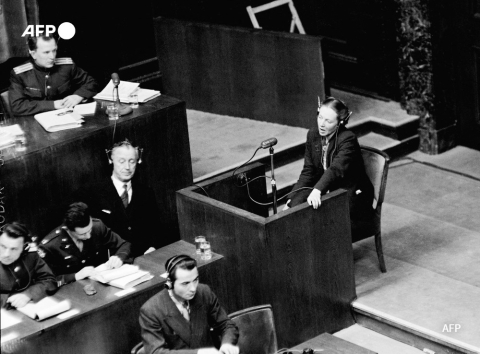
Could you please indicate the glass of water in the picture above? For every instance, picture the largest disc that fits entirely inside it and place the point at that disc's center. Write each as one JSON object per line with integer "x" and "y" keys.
{"x": 20, "y": 142}
{"x": 112, "y": 111}
{"x": 206, "y": 251}
{"x": 133, "y": 98}
{"x": 198, "y": 242}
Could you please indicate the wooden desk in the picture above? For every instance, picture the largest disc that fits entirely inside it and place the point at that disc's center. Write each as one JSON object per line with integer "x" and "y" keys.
{"x": 54, "y": 165}
{"x": 106, "y": 323}
{"x": 332, "y": 345}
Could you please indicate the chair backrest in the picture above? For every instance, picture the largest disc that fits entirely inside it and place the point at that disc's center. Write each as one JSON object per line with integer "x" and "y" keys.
{"x": 257, "y": 330}
{"x": 376, "y": 166}
{"x": 295, "y": 19}
{"x": 5, "y": 104}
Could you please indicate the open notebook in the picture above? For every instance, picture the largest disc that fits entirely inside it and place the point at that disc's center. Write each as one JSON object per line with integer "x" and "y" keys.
{"x": 125, "y": 277}
{"x": 45, "y": 308}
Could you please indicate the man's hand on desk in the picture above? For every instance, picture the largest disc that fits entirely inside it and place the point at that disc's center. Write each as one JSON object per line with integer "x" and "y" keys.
{"x": 18, "y": 300}
{"x": 315, "y": 198}
{"x": 114, "y": 262}
{"x": 286, "y": 207}
{"x": 84, "y": 273}
{"x": 151, "y": 249}
{"x": 228, "y": 348}
{"x": 71, "y": 101}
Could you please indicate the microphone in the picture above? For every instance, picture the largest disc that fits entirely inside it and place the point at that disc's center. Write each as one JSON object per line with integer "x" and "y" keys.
{"x": 122, "y": 108}
{"x": 268, "y": 143}
{"x": 115, "y": 79}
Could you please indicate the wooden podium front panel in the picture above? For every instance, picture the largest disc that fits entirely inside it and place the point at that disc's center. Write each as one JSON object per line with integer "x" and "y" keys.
{"x": 39, "y": 180}
{"x": 311, "y": 257}
{"x": 300, "y": 261}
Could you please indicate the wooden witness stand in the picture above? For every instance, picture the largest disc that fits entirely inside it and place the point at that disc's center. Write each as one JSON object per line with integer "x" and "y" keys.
{"x": 299, "y": 261}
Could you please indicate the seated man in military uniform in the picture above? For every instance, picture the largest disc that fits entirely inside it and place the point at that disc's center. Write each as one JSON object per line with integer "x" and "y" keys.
{"x": 23, "y": 275}
{"x": 73, "y": 249}
{"x": 45, "y": 82}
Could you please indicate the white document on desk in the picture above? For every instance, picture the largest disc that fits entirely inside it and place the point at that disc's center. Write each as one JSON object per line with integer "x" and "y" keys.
{"x": 8, "y": 319}
{"x": 45, "y": 308}
{"x": 60, "y": 119}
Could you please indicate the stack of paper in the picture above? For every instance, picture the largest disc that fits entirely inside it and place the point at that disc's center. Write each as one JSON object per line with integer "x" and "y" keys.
{"x": 124, "y": 277}
{"x": 59, "y": 119}
{"x": 86, "y": 109}
{"x": 7, "y": 134}
{"x": 125, "y": 90}
{"x": 45, "y": 308}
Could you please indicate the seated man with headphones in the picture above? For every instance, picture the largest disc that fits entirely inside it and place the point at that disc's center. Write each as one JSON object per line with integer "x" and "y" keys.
{"x": 333, "y": 160}
{"x": 24, "y": 276}
{"x": 124, "y": 204}
{"x": 181, "y": 316}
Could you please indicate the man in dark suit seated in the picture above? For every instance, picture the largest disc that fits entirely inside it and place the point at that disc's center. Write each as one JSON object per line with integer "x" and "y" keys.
{"x": 180, "y": 317}
{"x": 46, "y": 82}
{"x": 73, "y": 249}
{"x": 125, "y": 205}
{"x": 24, "y": 276}
{"x": 333, "y": 160}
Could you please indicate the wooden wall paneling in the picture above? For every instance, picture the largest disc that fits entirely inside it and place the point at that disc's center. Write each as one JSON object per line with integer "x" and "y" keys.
{"x": 39, "y": 181}
{"x": 262, "y": 75}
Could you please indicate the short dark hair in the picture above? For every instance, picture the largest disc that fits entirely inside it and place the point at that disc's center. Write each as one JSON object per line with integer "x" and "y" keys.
{"x": 32, "y": 40}
{"x": 338, "y": 106}
{"x": 77, "y": 215}
{"x": 181, "y": 261}
{"x": 17, "y": 230}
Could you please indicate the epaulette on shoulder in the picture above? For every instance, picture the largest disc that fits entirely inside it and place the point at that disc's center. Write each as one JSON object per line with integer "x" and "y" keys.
{"x": 51, "y": 236}
{"x": 63, "y": 61}
{"x": 22, "y": 68}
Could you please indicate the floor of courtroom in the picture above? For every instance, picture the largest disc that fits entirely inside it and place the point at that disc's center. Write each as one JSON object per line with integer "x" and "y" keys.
{"x": 431, "y": 235}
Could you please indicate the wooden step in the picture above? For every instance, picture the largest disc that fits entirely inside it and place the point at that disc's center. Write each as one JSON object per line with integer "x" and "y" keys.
{"x": 409, "y": 333}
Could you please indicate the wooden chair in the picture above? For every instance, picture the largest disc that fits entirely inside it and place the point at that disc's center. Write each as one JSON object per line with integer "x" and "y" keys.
{"x": 376, "y": 166}
{"x": 256, "y": 327}
{"x": 5, "y": 105}
{"x": 295, "y": 19}
{"x": 257, "y": 330}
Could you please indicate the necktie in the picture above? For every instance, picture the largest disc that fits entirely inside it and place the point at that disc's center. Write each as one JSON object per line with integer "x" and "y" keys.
{"x": 186, "y": 310}
{"x": 124, "y": 196}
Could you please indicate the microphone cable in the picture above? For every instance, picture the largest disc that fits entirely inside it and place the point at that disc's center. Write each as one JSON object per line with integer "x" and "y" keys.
{"x": 235, "y": 170}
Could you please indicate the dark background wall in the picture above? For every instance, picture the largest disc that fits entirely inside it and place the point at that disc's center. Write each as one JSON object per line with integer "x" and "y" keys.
{"x": 360, "y": 48}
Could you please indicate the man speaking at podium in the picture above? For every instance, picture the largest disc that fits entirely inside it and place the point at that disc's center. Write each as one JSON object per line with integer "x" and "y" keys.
{"x": 46, "y": 83}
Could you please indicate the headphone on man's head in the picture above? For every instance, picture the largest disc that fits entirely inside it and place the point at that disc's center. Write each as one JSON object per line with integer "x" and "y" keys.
{"x": 170, "y": 267}
{"x": 126, "y": 143}
{"x": 343, "y": 121}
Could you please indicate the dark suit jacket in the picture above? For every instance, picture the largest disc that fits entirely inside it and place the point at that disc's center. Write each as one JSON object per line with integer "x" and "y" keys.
{"x": 164, "y": 328}
{"x": 65, "y": 259}
{"x": 345, "y": 169}
{"x": 140, "y": 224}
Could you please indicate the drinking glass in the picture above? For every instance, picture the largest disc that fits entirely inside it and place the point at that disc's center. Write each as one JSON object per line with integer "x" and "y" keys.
{"x": 198, "y": 242}
{"x": 112, "y": 111}
{"x": 206, "y": 251}
{"x": 133, "y": 98}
